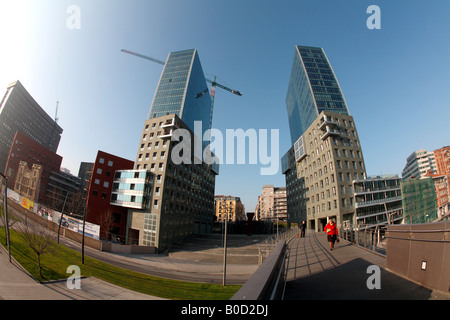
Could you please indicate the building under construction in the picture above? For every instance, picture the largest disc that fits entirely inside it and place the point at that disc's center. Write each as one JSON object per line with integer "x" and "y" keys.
{"x": 419, "y": 200}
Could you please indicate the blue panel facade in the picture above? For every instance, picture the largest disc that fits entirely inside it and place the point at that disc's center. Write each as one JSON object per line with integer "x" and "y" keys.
{"x": 313, "y": 88}
{"x": 182, "y": 90}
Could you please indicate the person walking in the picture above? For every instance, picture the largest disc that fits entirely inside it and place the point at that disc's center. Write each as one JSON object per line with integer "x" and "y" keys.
{"x": 332, "y": 233}
{"x": 302, "y": 229}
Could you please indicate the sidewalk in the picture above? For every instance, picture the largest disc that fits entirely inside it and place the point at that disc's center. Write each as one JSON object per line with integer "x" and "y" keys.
{"x": 316, "y": 273}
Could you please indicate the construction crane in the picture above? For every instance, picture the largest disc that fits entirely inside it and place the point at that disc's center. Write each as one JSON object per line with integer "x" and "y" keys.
{"x": 56, "y": 112}
{"x": 213, "y": 82}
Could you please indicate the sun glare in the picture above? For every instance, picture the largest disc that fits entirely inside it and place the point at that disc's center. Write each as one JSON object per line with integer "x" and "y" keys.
{"x": 14, "y": 26}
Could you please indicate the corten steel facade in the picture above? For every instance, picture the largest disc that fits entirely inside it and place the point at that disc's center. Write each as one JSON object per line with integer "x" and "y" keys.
{"x": 112, "y": 219}
{"x": 183, "y": 193}
{"x": 23, "y": 148}
{"x": 20, "y": 112}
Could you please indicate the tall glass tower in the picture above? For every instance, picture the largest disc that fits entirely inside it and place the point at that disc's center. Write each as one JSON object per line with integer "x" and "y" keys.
{"x": 182, "y": 90}
{"x": 313, "y": 88}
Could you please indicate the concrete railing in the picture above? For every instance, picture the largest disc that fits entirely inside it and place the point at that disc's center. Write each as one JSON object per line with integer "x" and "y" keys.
{"x": 421, "y": 253}
{"x": 267, "y": 282}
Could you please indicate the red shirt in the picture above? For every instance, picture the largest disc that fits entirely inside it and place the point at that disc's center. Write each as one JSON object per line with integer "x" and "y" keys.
{"x": 331, "y": 229}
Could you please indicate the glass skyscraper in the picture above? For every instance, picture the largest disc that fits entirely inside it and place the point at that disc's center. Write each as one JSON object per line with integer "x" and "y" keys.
{"x": 313, "y": 88}
{"x": 182, "y": 90}
{"x": 326, "y": 156}
{"x": 182, "y": 193}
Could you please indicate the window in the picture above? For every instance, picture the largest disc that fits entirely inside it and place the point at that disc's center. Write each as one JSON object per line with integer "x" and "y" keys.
{"x": 110, "y": 163}
{"x": 101, "y": 160}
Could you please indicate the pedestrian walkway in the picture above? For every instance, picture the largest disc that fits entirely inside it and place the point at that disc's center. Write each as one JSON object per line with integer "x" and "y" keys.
{"x": 316, "y": 273}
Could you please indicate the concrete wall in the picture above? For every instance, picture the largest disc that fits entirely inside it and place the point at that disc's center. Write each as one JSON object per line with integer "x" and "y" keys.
{"x": 77, "y": 237}
{"x": 421, "y": 253}
{"x": 262, "y": 283}
{"x": 126, "y": 249}
{"x": 72, "y": 235}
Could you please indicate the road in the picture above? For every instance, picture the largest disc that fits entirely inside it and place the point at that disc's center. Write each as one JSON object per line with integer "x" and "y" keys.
{"x": 197, "y": 264}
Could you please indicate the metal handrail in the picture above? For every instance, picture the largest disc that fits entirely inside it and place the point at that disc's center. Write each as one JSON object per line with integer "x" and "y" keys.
{"x": 374, "y": 234}
{"x": 421, "y": 231}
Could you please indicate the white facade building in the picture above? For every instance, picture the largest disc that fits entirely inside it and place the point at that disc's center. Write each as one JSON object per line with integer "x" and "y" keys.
{"x": 418, "y": 164}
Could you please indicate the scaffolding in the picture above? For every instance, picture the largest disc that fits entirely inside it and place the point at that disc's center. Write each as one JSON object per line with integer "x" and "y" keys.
{"x": 419, "y": 200}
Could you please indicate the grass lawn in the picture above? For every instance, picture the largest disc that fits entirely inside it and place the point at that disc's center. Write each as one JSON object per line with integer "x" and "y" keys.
{"x": 54, "y": 266}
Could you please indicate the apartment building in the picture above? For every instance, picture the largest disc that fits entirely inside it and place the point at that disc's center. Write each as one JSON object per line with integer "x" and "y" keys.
{"x": 229, "y": 205}
{"x": 183, "y": 192}
{"x": 378, "y": 201}
{"x": 328, "y": 158}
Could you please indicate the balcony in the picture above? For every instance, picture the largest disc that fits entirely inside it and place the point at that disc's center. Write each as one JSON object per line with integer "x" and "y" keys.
{"x": 327, "y": 122}
{"x": 169, "y": 123}
{"x": 167, "y": 134}
{"x": 330, "y": 132}
{"x": 377, "y": 201}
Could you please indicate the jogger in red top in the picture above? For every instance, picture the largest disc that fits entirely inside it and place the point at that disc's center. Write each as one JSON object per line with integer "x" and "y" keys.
{"x": 332, "y": 233}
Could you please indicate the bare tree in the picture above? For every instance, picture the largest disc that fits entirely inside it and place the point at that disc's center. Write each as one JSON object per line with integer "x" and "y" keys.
{"x": 12, "y": 219}
{"x": 240, "y": 211}
{"x": 77, "y": 205}
{"x": 39, "y": 239}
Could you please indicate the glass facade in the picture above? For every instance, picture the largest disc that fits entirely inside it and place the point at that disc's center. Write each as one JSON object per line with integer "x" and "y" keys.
{"x": 313, "y": 88}
{"x": 132, "y": 188}
{"x": 150, "y": 228}
{"x": 182, "y": 90}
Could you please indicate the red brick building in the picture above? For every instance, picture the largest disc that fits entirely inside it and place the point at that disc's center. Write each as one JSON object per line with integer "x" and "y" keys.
{"x": 111, "y": 219}
{"x": 442, "y": 157}
{"x": 442, "y": 192}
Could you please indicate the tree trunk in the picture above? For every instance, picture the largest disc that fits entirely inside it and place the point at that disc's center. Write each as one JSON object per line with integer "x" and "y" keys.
{"x": 39, "y": 266}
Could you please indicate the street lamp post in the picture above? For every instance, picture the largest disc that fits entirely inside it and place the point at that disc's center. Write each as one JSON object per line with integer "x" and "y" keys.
{"x": 225, "y": 250}
{"x": 62, "y": 213}
{"x": 82, "y": 239}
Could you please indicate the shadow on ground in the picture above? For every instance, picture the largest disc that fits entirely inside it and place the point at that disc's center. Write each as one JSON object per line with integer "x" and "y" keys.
{"x": 348, "y": 281}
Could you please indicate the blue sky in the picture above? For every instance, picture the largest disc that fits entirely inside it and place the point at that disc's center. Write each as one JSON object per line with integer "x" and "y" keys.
{"x": 395, "y": 80}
